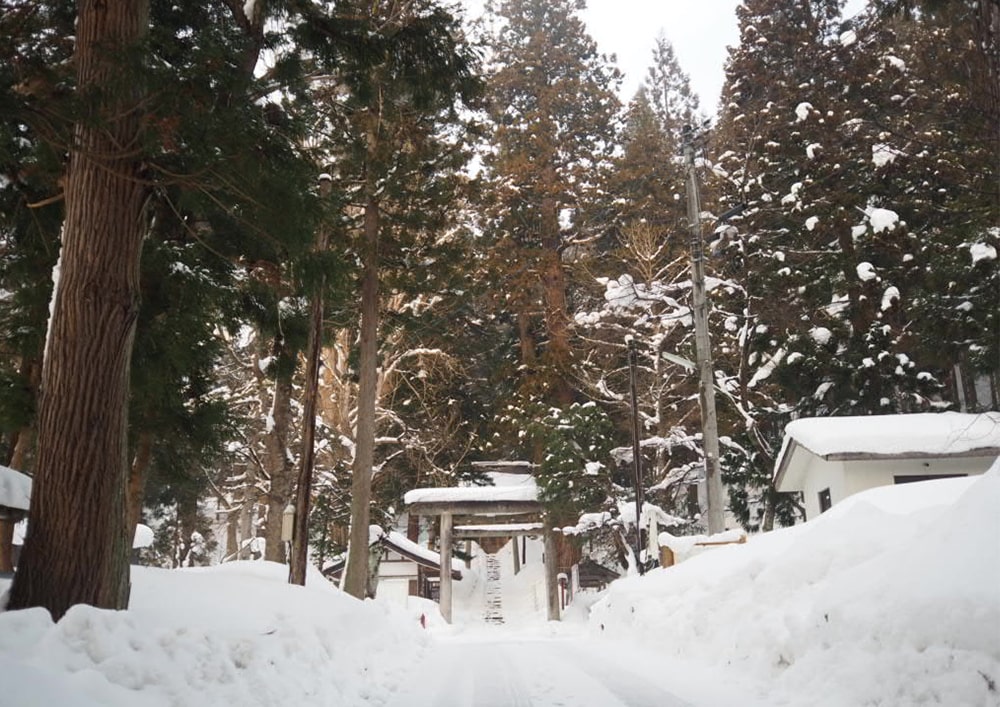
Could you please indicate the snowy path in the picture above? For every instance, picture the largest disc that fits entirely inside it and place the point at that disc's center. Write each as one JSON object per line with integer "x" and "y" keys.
{"x": 497, "y": 668}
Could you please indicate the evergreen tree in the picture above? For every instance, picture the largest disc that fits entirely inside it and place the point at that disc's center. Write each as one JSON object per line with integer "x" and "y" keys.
{"x": 398, "y": 84}
{"x": 554, "y": 115}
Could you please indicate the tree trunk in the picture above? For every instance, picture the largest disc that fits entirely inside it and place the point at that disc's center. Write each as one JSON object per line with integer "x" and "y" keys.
{"x": 558, "y": 354}
{"x": 23, "y": 440}
{"x": 137, "y": 480}
{"x": 7, "y": 544}
{"x": 300, "y": 535}
{"x": 278, "y": 466}
{"x": 356, "y": 572}
{"x": 77, "y": 550}
{"x": 525, "y": 338}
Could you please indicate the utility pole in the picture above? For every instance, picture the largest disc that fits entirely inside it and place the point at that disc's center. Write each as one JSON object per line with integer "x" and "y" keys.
{"x": 300, "y": 533}
{"x": 706, "y": 386}
{"x": 636, "y": 458}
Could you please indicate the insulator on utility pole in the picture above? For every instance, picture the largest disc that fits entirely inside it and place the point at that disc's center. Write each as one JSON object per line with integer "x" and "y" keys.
{"x": 706, "y": 386}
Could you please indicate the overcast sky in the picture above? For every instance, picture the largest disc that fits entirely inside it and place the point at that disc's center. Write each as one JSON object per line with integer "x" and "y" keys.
{"x": 700, "y": 30}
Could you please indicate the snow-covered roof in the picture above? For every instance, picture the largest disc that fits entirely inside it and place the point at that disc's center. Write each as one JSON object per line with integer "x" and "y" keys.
{"x": 501, "y": 527}
{"x": 920, "y": 434}
{"x": 15, "y": 489}
{"x": 466, "y": 494}
{"x": 872, "y": 437}
{"x": 400, "y": 542}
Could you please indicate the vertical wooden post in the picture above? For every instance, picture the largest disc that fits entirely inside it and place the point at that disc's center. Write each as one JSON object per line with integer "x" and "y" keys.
{"x": 446, "y": 566}
{"x": 468, "y": 554}
{"x": 517, "y": 556}
{"x": 551, "y": 572}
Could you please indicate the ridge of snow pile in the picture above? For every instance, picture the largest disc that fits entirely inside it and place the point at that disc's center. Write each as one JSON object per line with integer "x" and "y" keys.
{"x": 235, "y": 634}
{"x": 891, "y": 597}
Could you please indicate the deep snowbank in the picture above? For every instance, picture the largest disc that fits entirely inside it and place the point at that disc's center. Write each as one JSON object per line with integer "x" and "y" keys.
{"x": 890, "y": 598}
{"x": 236, "y": 634}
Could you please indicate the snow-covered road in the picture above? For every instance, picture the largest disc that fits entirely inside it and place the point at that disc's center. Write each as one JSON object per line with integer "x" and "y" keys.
{"x": 497, "y": 668}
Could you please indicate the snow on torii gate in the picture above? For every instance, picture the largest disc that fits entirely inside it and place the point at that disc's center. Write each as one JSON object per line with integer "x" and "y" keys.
{"x": 491, "y": 501}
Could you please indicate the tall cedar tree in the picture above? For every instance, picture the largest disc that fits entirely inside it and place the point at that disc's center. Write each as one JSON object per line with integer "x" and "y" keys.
{"x": 77, "y": 551}
{"x": 191, "y": 157}
{"x": 398, "y": 84}
{"x": 554, "y": 114}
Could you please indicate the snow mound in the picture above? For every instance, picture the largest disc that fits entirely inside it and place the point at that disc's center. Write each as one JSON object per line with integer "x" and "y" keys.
{"x": 236, "y": 634}
{"x": 888, "y": 598}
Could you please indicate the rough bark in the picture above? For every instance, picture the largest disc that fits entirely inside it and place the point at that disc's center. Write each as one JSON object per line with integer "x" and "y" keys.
{"x": 6, "y": 545}
{"x": 137, "y": 480}
{"x": 558, "y": 354}
{"x": 23, "y": 441}
{"x": 77, "y": 550}
{"x": 278, "y": 467}
{"x": 355, "y": 574}
{"x": 300, "y": 536}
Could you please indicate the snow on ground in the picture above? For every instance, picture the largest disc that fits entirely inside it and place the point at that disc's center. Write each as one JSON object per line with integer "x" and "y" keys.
{"x": 890, "y": 598}
{"x": 236, "y": 634}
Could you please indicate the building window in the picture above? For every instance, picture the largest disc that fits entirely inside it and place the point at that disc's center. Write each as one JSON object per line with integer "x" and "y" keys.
{"x": 913, "y": 478}
{"x": 824, "y": 500}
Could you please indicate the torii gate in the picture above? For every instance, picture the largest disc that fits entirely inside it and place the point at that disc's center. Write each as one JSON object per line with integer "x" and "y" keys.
{"x": 491, "y": 501}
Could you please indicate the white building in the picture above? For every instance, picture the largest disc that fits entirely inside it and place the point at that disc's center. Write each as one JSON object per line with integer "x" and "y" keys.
{"x": 831, "y": 458}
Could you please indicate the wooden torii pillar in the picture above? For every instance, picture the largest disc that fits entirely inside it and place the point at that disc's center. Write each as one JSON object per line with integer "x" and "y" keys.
{"x": 465, "y": 501}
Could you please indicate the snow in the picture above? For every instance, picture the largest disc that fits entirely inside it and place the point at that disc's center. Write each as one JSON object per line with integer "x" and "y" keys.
{"x": 890, "y": 297}
{"x": 821, "y": 335}
{"x": 143, "y": 536}
{"x": 895, "y": 62}
{"x": 982, "y": 251}
{"x": 526, "y": 492}
{"x": 236, "y": 634}
{"x": 802, "y": 111}
{"x": 848, "y": 38}
{"x": 889, "y": 598}
{"x": 685, "y": 547}
{"x": 866, "y": 271}
{"x": 936, "y": 433}
{"x": 882, "y": 219}
{"x": 15, "y": 489}
{"x": 811, "y": 222}
{"x": 505, "y": 527}
{"x": 404, "y": 543}
{"x": 883, "y": 154}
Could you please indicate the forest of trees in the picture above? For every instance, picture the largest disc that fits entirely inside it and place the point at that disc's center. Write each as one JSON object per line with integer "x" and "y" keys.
{"x": 341, "y": 249}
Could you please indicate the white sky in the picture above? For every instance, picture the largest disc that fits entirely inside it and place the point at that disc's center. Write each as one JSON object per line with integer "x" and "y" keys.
{"x": 700, "y": 30}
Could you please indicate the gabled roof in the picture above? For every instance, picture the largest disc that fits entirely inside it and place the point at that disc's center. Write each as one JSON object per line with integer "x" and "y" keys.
{"x": 915, "y": 436}
{"x": 399, "y": 543}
